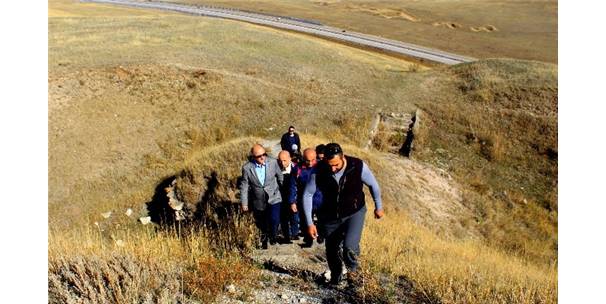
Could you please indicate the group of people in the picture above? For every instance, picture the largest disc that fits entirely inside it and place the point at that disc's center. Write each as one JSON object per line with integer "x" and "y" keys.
{"x": 321, "y": 184}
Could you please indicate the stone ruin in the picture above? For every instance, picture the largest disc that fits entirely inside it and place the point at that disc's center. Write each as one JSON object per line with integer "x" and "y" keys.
{"x": 191, "y": 202}
{"x": 398, "y": 128}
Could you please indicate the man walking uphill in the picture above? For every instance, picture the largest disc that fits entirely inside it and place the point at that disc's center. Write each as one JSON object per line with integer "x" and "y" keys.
{"x": 289, "y": 218}
{"x": 340, "y": 178}
{"x": 300, "y": 178}
{"x": 290, "y": 142}
{"x": 261, "y": 180}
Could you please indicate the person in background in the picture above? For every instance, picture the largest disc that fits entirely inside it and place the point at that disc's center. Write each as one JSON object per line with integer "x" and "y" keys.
{"x": 300, "y": 178}
{"x": 290, "y": 142}
{"x": 320, "y": 151}
{"x": 261, "y": 180}
{"x": 340, "y": 178}
{"x": 289, "y": 218}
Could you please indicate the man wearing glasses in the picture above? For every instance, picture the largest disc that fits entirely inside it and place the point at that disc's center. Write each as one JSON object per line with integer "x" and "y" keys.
{"x": 340, "y": 178}
{"x": 261, "y": 180}
{"x": 290, "y": 142}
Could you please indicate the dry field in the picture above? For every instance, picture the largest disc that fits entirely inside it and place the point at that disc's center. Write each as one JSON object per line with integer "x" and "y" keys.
{"x": 138, "y": 96}
{"x": 478, "y": 28}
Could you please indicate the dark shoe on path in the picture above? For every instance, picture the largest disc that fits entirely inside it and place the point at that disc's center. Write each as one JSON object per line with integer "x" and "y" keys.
{"x": 285, "y": 240}
{"x": 337, "y": 282}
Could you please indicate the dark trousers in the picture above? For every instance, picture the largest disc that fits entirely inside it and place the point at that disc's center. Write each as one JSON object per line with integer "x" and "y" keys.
{"x": 346, "y": 232}
{"x": 268, "y": 221}
{"x": 289, "y": 221}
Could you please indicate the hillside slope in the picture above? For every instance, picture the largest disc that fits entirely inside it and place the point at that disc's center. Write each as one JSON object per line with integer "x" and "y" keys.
{"x": 138, "y": 98}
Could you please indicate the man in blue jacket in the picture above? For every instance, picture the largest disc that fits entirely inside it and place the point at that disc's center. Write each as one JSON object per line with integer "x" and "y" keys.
{"x": 300, "y": 177}
{"x": 289, "y": 219}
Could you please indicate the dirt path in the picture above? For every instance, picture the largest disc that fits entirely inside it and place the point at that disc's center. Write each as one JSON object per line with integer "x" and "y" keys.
{"x": 294, "y": 274}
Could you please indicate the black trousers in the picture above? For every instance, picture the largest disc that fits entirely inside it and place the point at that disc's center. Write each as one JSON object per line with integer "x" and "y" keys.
{"x": 268, "y": 221}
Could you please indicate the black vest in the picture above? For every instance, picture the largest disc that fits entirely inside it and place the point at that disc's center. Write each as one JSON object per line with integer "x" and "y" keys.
{"x": 342, "y": 199}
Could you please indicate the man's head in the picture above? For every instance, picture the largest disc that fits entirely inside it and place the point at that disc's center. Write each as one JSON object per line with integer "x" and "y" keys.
{"x": 284, "y": 159}
{"x": 309, "y": 157}
{"x": 291, "y": 130}
{"x": 320, "y": 151}
{"x": 333, "y": 155}
{"x": 257, "y": 152}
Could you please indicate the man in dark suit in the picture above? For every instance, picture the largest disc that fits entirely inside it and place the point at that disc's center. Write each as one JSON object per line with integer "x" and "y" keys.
{"x": 261, "y": 180}
{"x": 290, "y": 142}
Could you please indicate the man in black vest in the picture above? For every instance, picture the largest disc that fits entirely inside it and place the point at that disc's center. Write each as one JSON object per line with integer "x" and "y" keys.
{"x": 341, "y": 214}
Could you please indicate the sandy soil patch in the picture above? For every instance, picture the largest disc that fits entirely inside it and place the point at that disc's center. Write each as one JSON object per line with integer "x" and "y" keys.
{"x": 485, "y": 28}
{"x": 387, "y": 13}
{"x": 449, "y": 24}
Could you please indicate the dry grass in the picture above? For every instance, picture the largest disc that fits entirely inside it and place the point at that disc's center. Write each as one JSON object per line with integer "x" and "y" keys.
{"x": 126, "y": 104}
{"x": 482, "y": 29}
{"x": 500, "y": 139}
{"x": 139, "y": 265}
{"x": 135, "y": 100}
{"x": 443, "y": 266}
{"x": 118, "y": 260}
{"x": 454, "y": 271}
{"x": 94, "y": 264}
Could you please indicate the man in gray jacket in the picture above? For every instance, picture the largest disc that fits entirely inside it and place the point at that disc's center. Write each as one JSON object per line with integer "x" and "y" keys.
{"x": 261, "y": 180}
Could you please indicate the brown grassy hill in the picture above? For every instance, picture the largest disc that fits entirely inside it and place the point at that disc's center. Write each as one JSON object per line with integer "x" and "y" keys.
{"x": 441, "y": 267}
{"x": 138, "y": 98}
{"x": 496, "y": 131}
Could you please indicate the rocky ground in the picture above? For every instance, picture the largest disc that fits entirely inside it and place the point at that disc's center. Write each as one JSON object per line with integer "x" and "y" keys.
{"x": 291, "y": 274}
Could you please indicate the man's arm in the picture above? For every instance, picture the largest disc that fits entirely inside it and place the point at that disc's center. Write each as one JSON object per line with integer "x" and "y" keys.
{"x": 244, "y": 190}
{"x": 369, "y": 180}
{"x": 279, "y": 174}
{"x": 308, "y": 196}
{"x": 292, "y": 198}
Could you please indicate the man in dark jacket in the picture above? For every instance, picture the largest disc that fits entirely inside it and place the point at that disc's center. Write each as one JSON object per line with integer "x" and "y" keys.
{"x": 290, "y": 142}
{"x": 289, "y": 219}
{"x": 320, "y": 151}
{"x": 300, "y": 177}
{"x": 340, "y": 178}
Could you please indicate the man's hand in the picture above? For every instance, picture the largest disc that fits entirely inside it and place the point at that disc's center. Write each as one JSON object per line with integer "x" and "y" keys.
{"x": 312, "y": 231}
{"x": 293, "y": 208}
{"x": 379, "y": 213}
{"x": 244, "y": 208}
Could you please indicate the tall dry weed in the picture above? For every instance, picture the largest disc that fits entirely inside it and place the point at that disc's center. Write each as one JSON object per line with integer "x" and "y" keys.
{"x": 118, "y": 278}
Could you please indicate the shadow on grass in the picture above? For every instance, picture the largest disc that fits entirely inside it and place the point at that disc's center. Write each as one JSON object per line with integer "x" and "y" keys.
{"x": 220, "y": 219}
